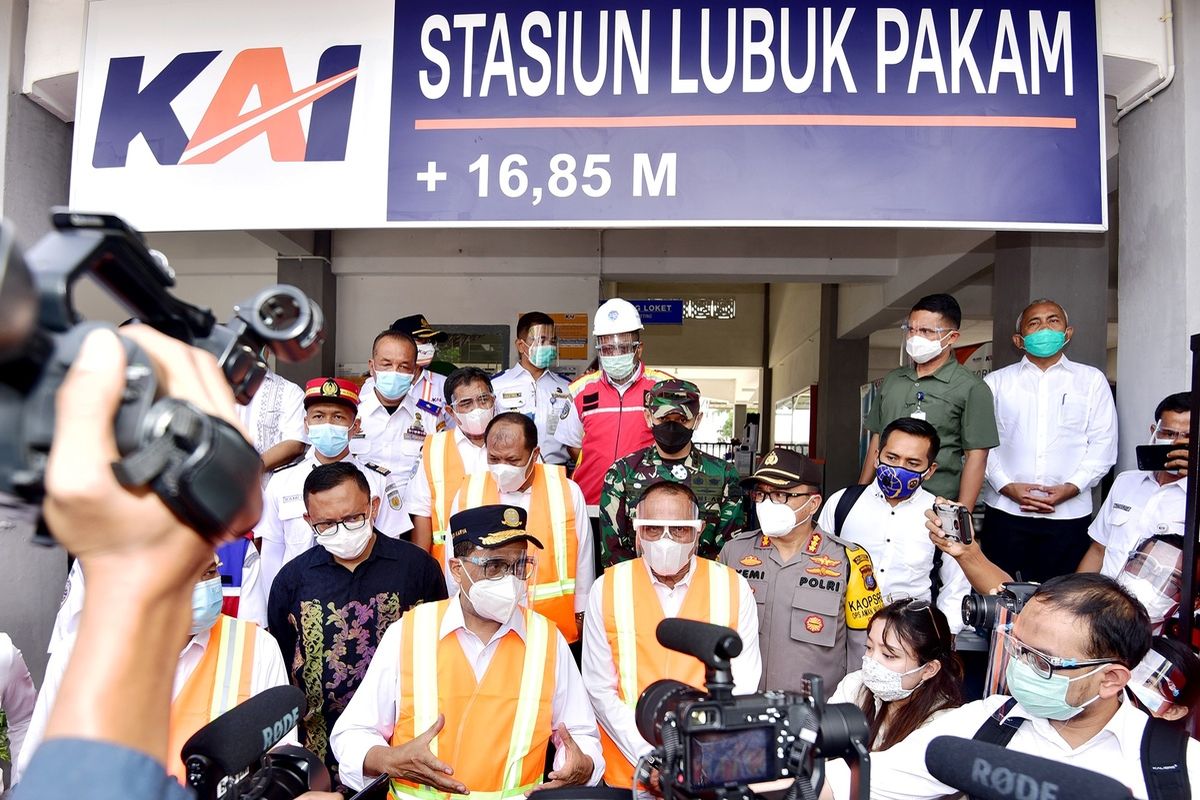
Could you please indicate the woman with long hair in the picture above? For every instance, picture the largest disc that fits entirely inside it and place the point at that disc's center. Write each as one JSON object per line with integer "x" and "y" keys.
{"x": 910, "y": 672}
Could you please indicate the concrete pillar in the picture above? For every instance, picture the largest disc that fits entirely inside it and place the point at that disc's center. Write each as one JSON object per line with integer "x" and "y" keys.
{"x": 35, "y": 163}
{"x": 843, "y": 369}
{"x": 1158, "y": 294}
{"x": 314, "y": 276}
{"x": 1071, "y": 268}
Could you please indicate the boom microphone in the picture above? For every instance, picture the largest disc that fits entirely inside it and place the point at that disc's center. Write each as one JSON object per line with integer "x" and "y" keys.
{"x": 709, "y": 643}
{"x": 240, "y": 736}
{"x": 991, "y": 772}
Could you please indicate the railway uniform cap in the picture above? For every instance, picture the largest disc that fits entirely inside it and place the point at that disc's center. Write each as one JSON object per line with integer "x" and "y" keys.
{"x": 331, "y": 390}
{"x": 491, "y": 526}
{"x": 418, "y": 327}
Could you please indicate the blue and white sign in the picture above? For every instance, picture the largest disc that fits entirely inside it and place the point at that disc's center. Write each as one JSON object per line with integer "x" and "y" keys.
{"x": 659, "y": 312}
{"x": 983, "y": 115}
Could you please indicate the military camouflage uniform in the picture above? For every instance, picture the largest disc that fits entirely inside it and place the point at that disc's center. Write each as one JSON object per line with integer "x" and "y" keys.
{"x": 714, "y": 482}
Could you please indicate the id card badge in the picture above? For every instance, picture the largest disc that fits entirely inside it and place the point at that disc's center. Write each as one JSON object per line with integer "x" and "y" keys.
{"x": 918, "y": 414}
{"x": 431, "y": 408}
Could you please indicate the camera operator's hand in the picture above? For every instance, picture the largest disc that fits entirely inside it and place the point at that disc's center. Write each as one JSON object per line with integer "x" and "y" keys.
{"x": 414, "y": 761}
{"x": 576, "y": 769}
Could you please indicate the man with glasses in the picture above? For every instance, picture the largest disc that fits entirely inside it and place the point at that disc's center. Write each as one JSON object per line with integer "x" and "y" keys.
{"x": 621, "y": 653}
{"x": 815, "y": 593}
{"x": 468, "y": 694}
{"x": 449, "y": 456}
{"x": 330, "y": 606}
{"x": 532, "y": 388}
{"x": 604, "y": 421}
{"x": 938, "y": 389}
{"x": 1070, "y": 655}
{"x": 1142, "y": 504}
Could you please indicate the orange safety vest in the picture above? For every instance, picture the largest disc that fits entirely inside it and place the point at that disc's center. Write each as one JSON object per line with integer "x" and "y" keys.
{"x": 631, "y": 615}
{"x": 513, "y": 700}
{"x": 220, "y": 681}
{"x": 444, "y": 469}
{"x": 552, "y": 520}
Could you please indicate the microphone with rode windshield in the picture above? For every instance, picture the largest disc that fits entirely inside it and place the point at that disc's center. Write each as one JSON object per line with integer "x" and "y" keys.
{"x": 990, "y": 772}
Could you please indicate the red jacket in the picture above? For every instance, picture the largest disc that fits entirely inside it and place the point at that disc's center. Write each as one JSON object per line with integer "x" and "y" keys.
{"x": 613, "y": 425}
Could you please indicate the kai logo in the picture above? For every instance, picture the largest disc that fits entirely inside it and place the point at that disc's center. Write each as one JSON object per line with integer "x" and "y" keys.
{"x": 137, "y": 105}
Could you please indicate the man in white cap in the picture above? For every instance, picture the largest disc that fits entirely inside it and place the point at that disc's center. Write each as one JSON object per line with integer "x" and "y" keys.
{"x": 604, "y": 421}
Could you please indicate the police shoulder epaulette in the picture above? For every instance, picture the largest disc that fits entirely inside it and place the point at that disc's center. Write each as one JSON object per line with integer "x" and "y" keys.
{"x": 291, "y": 463}
{"x": 747, "y": 535}
{"x": 846, "y": 543}
{"x": 381, "y": 470}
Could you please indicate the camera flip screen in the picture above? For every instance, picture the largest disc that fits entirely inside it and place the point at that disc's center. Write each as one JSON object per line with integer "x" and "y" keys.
{"x": 732, "y": 757}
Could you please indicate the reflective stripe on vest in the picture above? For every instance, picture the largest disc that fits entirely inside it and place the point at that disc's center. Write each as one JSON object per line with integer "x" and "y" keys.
{"x": 441, "y": 456}
{"x": 420, "y": 656}
{"x": 218, "y": 683}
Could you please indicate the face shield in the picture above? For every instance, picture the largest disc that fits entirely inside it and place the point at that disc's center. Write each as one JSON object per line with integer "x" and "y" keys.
{"x": 1153, "y": 576}
{"x": 1157, "y": 682}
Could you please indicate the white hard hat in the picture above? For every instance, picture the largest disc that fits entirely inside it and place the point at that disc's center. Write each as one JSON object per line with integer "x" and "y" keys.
{"x": 616, "y": 316}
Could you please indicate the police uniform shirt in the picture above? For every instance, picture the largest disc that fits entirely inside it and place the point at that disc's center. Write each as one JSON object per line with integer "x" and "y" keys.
{"x": 801, "y": 607}
{"x": 545, "y": 400}
{"x": 395, "y": 440}
{"x": 1136, "y": 508}
{"x": 284, "y": 532}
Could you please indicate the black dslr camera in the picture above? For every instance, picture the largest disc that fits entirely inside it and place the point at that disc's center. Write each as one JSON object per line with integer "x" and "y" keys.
{"x": 980, "y": 611}
{"x": 201, "y": 467}
{"x": 714, "y": 745}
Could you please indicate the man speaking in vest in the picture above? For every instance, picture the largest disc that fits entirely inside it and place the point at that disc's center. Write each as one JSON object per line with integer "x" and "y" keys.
{"x": 630, "y": 599}
{"x": 466, "y": 695}
{"x": 557, "y": 514}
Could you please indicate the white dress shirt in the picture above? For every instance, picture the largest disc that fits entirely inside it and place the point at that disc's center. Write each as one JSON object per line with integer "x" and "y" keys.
{"x": 1056, "y": 426}
{"x": 17, "y": 696}
{"x": 419, "y": 498}
{"x": 395, "y": 440}
{"x": 546, "y": 400}
{"x": 275, "y": 414}
{"x": 899, "y": 773}
{"x": 585, "y": 558}
{"x": 1136, "y": 509}
{"x": 600, "y": 670}
{"x": 284, "y": 532}
{"x": 370, "y": 718}
{"x": 267, "y": 671}
{"x": 900, "y": 548}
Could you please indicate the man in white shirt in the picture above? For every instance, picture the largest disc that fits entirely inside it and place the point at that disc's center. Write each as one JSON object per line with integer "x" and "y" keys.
{"x": 1070, "y": 654}
{"x": 629, "y": 600}
{"x": 1058, "y": 438}
{"x": 402, "y": 403}
{"x": 514, "y": 477}
{"x": 17, "y": 698}
{"x": 1144, "y": 504}
{"x": 530, "y": 388}
{"x": 423, "y": 719}
{"x": 193, "y": 700}
{"x": 331, "y": 406}
{"x": 887, "y": 518}
{"x": 274, "y": 420}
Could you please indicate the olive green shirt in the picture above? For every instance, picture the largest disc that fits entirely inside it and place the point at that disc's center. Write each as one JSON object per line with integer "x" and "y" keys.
{"x": 954, "y": 401}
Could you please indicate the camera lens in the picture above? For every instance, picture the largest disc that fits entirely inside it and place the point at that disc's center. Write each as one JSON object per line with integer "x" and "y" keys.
{"x": 979, "y": 611}
{"x": 659, "y": 699}
{"x": 286, "y": 320}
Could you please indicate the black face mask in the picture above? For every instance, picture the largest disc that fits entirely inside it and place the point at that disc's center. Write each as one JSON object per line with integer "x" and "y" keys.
{"x": 671, "y": 436}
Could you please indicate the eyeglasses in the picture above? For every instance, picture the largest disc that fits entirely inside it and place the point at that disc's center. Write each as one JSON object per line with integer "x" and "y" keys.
{"x": 1167, "y": 433}
{"x": 353, "y": 522}
{"x": 496, "y": 568}
{"x": 485, "y": 401}
{"x": 622, "y": 349}
{"x": 778, "y": 496}
{"x": 928, "y": 333}
{"x": 1041, "y": 663}
{"x": 683, "y": 531}
{"x": 915, "y": 606}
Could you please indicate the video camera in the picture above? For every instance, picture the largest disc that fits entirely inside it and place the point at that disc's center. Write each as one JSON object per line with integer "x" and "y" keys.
{"x": 201, "y": 467}
{"x": 714, "y": 745}
{"x": 982, "y": 611}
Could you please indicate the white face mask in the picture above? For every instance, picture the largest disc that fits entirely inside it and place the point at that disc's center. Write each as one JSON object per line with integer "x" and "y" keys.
{"x": 1152, "y": 700}
{"x": 666, "y": 556}
{"x": 884, "y": 683}
{"x": 1157, "y": 605}
{"x": 778, "y": 519}
{"x": 496, "y": 600}
{"x": 509, "y": 478}
{"x": 425, "y": 353}
{"x": 475, "y": 421}
{"x": 922, "y": 350}
{"x": 344, "y": 543}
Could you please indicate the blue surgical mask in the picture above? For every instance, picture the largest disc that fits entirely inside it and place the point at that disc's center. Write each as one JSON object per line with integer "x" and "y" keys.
{"x": 897, "y": 483}
{"x": 1045, "y": 698}
{"x": 393, "y": 385}
{"x": 330, "y": 440}
{"x": 206, "y": 605}
{"x": 619, "y": 368}
{"x": 543, "y": 355}
{"x": 1044, "y": 343}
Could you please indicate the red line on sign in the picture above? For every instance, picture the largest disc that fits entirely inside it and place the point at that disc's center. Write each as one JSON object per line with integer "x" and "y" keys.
{"x": 761, "y": 120}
